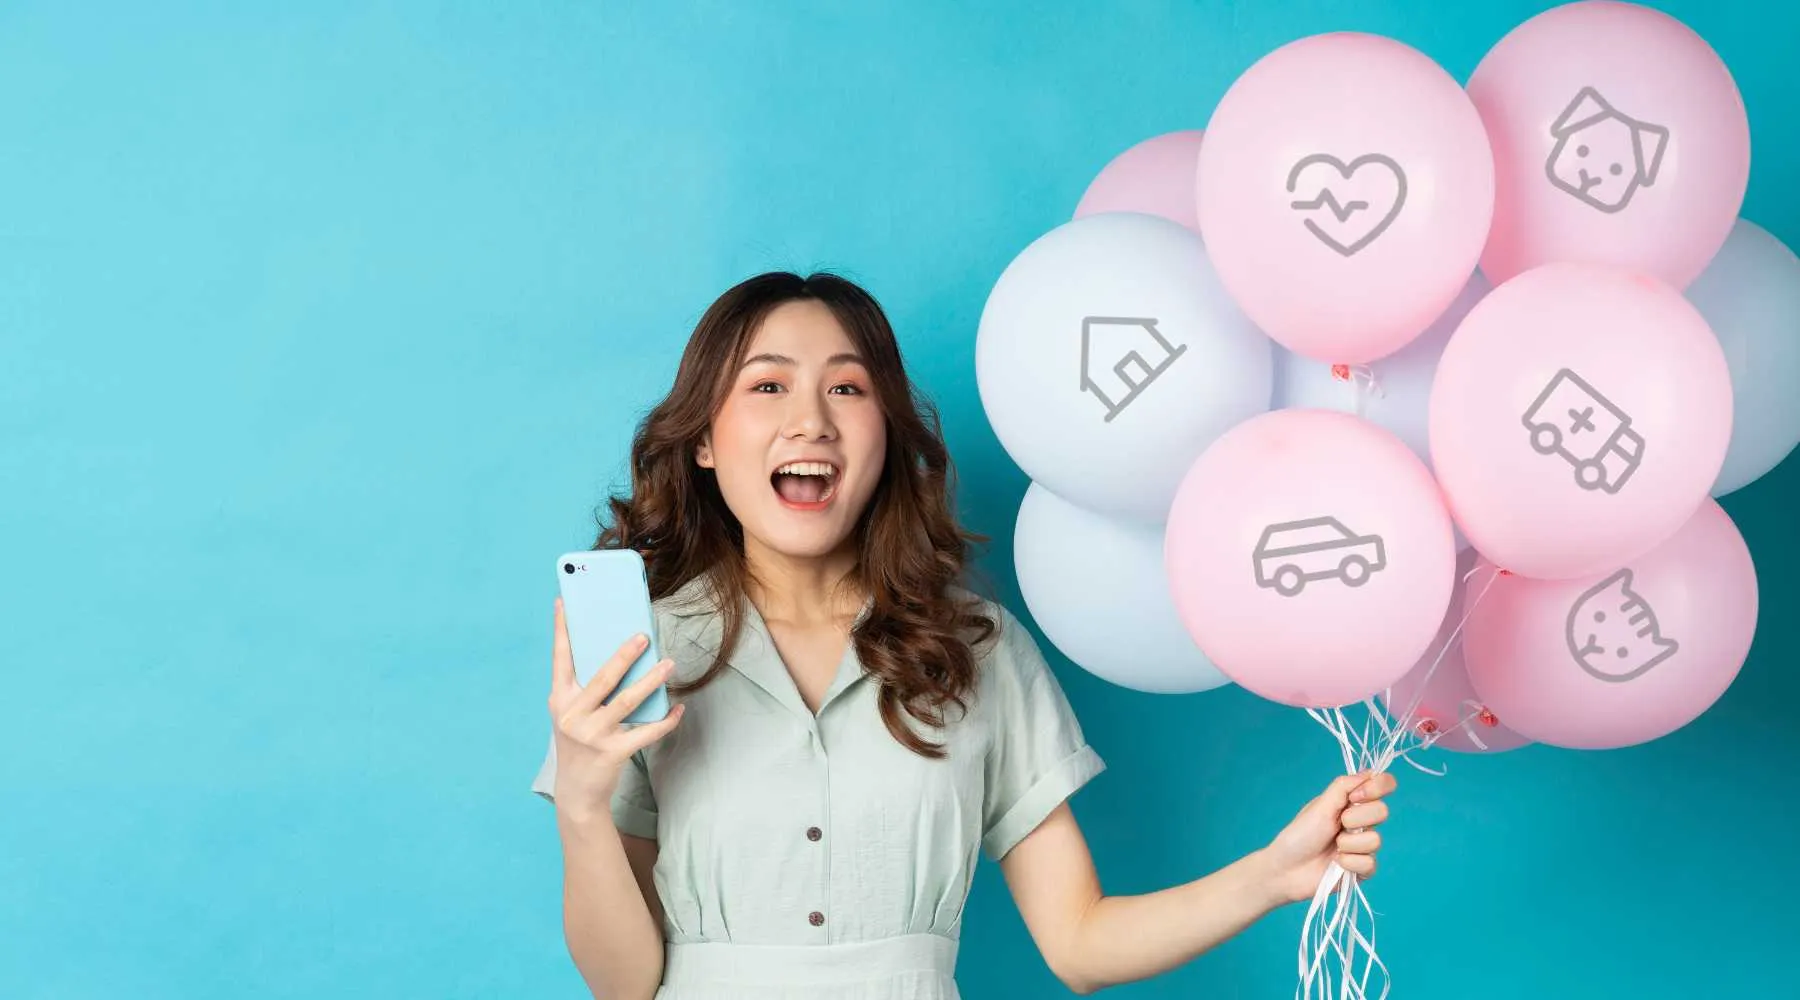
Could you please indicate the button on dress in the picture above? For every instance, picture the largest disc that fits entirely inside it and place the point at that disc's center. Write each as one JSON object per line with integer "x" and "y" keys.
{"x": 805, "y": 857}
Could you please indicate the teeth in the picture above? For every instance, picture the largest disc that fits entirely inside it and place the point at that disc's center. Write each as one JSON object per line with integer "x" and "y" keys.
{"x": 807, "y": 469}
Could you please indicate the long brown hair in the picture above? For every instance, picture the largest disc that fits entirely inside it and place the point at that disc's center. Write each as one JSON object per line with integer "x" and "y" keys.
{"x": 916, "y": 641}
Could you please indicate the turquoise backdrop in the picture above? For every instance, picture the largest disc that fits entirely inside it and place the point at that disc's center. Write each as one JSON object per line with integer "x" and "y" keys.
{"x": 323, "y": 327}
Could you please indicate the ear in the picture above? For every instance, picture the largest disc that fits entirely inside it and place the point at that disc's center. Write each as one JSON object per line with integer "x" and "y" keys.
{"x": 1650, "y": 142}
{"x": 703, "y": 456}
{"x": 1587, "y": 107}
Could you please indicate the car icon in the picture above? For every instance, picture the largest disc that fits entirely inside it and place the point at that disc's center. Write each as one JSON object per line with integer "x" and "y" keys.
{"x": 1293, "y": 553}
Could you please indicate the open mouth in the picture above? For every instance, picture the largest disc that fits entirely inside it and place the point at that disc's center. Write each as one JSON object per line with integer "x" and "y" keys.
{"x": 805, "y": 485}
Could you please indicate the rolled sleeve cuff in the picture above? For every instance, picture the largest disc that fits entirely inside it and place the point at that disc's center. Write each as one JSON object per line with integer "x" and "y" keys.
{"x": 1041, "y": 799}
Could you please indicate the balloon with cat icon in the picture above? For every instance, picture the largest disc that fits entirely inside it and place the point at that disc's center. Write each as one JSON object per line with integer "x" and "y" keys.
{"x": 1623, "y": 656}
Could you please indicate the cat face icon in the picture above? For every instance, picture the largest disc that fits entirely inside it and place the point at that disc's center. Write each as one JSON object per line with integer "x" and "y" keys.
{"x": 1602, "y": 155}
{"x": 1613, "y": 633}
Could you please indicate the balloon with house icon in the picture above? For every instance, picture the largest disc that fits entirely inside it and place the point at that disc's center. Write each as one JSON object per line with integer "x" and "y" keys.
{"x": 1108, "y": 357}
{"x": 1619, "y": 138}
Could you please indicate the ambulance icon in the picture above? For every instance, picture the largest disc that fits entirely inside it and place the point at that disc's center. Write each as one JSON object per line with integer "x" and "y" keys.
{"x": 1571, "y": 419}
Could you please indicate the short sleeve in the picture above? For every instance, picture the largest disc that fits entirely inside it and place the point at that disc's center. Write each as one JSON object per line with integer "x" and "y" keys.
{"x": 633, "y": 804}
{"x": 1037, "y": 756}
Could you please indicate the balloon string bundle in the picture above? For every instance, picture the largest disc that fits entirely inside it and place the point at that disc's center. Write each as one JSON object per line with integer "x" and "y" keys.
{"x": 1332, "y": 937}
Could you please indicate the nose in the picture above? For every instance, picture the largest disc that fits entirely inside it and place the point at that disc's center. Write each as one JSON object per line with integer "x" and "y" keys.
{"x": 808, "y": 418}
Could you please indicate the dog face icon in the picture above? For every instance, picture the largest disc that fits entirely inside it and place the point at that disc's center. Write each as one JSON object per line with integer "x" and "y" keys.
{"x": 1603, "y": 156}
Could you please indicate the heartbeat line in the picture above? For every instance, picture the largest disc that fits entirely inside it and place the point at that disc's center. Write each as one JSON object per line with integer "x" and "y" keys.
{"x": 1328, "y": 200}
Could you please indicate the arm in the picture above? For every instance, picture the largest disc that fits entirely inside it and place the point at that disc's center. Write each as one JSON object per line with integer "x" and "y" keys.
{"x": 1091, "y": 940}
{"x": 596, "y": 777}
{"x": 612, "y": 919}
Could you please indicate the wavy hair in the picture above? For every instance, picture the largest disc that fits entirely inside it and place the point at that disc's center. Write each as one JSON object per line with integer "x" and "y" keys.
{"x": 916, "y": 640}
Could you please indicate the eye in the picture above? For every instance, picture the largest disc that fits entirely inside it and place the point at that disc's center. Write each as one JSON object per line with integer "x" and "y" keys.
{"x": 1617, "y": 169}
{"x": 1581, "y": 151}
{"x": 766, "y": 386}
{"x": 848, "y": 388}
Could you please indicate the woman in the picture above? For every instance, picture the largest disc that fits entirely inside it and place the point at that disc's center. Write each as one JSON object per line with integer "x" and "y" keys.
{"x": 862, "y": 727}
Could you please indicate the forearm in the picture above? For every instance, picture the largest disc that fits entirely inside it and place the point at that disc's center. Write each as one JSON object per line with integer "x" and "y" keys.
{"x": 612, "y": 936}
{"x": 1123, "y": 939}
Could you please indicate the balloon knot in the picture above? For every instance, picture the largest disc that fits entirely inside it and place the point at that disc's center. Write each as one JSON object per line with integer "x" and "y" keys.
{"x": 1340, "y": 372}
{"x": 1488, "y": 719}
{"x": 1428, "y": 727}
{"x": 1506, "y": 572}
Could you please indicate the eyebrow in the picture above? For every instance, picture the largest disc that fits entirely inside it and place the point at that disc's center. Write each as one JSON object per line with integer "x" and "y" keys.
{"x": 787, "y": 362}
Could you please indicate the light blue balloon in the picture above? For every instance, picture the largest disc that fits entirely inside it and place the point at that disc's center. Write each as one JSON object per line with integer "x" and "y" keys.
{"x": 1096, "y": 586}
{"x": 1403, "y": 378}
{"x": 1750, "y": 295}
{"x": 1394, "y": 392}
{"x": 1109, "y": 356}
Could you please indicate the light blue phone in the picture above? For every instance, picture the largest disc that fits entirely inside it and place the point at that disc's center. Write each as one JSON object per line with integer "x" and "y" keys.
{"x": 606, "y": 600}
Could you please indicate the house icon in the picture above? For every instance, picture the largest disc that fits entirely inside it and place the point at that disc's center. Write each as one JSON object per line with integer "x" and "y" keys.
{"x": 1120, "y": 356}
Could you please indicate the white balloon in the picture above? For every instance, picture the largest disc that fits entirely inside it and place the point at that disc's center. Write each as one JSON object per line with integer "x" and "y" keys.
{"x": 1392, "y": 392}
{"x": 1109, "y": 357}
{"x": 1097, "y": 588}
{"x": 1750, "y": 296}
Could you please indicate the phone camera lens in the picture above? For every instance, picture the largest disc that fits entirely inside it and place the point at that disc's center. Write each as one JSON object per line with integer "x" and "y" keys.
{"x": 568, "y": 567}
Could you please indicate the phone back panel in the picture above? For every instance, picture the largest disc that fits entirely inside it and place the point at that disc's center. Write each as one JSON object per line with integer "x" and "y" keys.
{"x": 606, "y": 601}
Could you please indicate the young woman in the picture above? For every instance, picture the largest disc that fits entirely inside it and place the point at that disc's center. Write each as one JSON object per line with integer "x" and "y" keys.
{"x": 852, "y": 729}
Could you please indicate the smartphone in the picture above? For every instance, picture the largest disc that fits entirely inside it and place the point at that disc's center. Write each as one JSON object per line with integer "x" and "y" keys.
{"x": 606, "y": 600}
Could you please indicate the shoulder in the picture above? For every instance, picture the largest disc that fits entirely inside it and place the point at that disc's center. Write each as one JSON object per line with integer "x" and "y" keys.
{"x": 1008, "y": 654}
{"x": 688, "y": 627}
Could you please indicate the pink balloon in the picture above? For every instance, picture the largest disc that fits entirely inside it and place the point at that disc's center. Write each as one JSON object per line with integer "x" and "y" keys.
{"x": 1578, "y": 416}
{"x": 1154, "y": 177}
{"x": 1310, "y": 556}
{"x": 1345, "y": 192}
{"x": 1625, "y": 655}
{"x": 1619, "y": 138}
{"x": 1435, "y": 698}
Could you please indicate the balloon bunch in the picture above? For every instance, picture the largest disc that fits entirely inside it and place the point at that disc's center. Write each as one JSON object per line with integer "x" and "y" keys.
{"x": 1390, "y": 393}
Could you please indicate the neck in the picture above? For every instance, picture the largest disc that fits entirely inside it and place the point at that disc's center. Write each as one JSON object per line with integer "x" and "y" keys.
{"x": 803, "y": 590}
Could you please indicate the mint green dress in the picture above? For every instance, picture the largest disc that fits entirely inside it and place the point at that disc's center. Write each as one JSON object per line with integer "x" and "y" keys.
{"x": 805, "y": 857}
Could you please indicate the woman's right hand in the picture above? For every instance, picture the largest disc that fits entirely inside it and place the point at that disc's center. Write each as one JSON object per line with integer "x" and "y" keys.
{"x": 591, "y": 744}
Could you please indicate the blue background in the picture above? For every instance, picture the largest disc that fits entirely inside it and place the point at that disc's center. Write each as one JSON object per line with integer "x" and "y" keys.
{"x": 323, "y": 327}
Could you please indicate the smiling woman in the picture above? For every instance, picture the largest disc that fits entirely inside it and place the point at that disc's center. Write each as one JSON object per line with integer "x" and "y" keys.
{"x": 852, "y": 728}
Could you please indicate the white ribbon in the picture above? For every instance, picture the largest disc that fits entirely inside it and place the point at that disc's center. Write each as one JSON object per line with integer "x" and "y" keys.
{"x": 1332, "y": 935}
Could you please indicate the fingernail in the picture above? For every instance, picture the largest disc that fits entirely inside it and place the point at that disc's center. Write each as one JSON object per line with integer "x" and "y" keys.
{"x": 640, "y": 640}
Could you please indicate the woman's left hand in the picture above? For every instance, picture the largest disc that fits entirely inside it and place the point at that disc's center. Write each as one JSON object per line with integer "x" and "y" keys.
{"x": 1337, "y": 826}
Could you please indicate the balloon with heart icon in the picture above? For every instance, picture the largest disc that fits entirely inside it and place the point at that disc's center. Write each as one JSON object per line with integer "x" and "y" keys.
{"x": 1345, "y": 190}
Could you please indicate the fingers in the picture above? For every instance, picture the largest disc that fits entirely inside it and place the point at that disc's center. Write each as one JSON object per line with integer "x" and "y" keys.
{"x": 562, "y": 661}
{"x": 1374, "y": 788}
{"x": 1365, "y": 815}
{"x": 631, "y": 697}
{"x": 647, "y": 734}
{"x": 1360, "y": 865}
{"x": 610, "y": 673}
{"x": 1359, "y": 842}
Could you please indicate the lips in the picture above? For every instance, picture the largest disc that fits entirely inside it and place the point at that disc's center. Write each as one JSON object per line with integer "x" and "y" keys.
{"x": 805, "y": 485}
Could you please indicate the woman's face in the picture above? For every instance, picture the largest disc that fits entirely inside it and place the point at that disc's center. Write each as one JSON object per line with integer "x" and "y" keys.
{"x": 800, "y": 441}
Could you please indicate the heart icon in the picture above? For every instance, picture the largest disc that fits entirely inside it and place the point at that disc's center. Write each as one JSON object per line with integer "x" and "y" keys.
{"x": 1347, "y": 205}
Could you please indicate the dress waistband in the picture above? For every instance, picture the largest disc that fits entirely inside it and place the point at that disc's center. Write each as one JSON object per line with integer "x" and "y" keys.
{"x": 808, "y": 964}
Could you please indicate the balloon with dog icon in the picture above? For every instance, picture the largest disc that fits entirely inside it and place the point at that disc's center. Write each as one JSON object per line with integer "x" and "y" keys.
{"x": 1345, "y": 189}
{"x": 1620, "y": 138}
